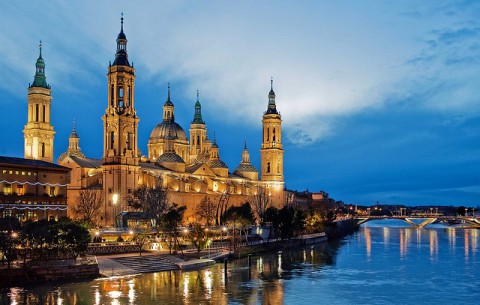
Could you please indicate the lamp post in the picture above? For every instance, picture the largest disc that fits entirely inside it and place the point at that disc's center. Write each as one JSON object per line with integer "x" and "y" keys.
{"x": 114, "y": 200}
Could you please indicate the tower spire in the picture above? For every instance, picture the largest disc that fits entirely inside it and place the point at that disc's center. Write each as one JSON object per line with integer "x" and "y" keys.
{"x": 272, "y": 108}
{"x": 121, "y": 56}
{"x": 121, "y": 26}
{"x": 40, "y": 80}
{"x": 197, "y": 118}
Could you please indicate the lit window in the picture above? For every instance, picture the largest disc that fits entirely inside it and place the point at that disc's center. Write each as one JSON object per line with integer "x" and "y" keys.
{"x": 20, "y": 189}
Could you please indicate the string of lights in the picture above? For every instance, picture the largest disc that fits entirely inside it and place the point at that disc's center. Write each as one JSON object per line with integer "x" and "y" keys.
{"x": 32, "y": 183}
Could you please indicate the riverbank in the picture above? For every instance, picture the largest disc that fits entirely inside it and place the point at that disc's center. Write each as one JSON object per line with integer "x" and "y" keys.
{"x": 158, "y": 261}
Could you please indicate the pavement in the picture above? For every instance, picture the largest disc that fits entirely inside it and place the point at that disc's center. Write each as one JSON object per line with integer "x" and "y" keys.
{"x": 134, "y": 263}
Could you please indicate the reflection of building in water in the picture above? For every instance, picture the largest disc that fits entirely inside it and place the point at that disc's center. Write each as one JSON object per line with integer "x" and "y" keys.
{"x": 386, "y": 236}
{"x": 403, "y": 242}
{"x": 273, "y": 293}
{"x": 452, "y": 237}
{"x": 467, "y": 244}
{"x": 368, "y": 242}
{"x": 433, "y": 237}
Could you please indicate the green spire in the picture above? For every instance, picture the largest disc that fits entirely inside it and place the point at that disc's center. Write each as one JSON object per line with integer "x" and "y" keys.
{"x": 40, "y": 80}
{"x": 197, "y": 118}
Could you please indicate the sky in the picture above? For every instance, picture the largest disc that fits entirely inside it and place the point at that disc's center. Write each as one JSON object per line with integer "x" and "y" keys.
{"x": 379, "y": 99}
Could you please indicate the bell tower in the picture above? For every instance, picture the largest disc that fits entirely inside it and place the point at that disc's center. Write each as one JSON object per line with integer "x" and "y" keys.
{"x": 198, "y": 133}
{"x": 38, "y": 131}
{"x": 120, "y": 122}
{"x": 271, "y": 153}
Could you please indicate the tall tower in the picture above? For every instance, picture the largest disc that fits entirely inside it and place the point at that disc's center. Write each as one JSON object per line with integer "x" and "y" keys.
{"x": 271, "y": 153}
{"x": 38, "y": 131}
{"x": 120, "y": 148}
{"x": 198, "y": 133}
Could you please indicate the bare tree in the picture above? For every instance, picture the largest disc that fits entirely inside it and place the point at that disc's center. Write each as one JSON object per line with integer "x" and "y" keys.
{"x": 153, "y": 201}
{"x": 207, "y": 210}
{"x": 259, "y": 203}
{"x": 88, "y": 205}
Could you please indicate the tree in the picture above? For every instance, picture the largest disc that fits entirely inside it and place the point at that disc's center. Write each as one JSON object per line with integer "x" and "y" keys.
{"x": 171, "y": 220}
{"x": 73, "y": 237}
{"x": 89, "y": 203}
{"x": 206, "y": 210}
{"x": 259, "y": 204}
{"x": 151, "y": 200}
{"x": 9, "y": 238}
{"x": 239, "y": 217}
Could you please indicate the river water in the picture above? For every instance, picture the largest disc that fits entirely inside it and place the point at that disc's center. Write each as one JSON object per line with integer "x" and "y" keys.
{"x": 386, "y": 262}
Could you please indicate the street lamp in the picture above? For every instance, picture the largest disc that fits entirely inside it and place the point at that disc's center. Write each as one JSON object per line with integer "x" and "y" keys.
{"x": 115, "y": 200}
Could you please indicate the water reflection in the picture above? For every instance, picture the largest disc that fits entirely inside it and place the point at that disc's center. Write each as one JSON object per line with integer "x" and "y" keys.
{"x": 336, "y": 270}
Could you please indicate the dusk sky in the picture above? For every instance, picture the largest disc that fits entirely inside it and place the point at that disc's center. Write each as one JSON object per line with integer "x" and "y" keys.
{"x": 380, "y": 100}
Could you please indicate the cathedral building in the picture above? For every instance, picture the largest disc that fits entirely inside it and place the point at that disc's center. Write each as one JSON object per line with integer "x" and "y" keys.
{"x": 189, "y": 166}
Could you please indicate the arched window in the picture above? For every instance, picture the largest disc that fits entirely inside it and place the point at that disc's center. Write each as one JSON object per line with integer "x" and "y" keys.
{"x": 43, "y": 114}
{"x": 112, "y": 139}
{"x": 111, "y": 96}
{"x": 43, "y": 149}
{"x": 268, "y": 167}
{"x": 273, "y": 135}
{"x": 120, "y": 96}
{"x": 268, "y": 134}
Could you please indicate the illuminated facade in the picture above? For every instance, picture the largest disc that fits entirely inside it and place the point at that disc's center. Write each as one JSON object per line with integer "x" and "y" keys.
{"x": 189, "y": 167}
{"x": 32, "y": 189}
{"x": 38, "y": 131}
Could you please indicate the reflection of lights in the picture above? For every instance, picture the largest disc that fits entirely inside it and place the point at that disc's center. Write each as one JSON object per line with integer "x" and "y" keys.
{"x": 433, "y": 243}
{"x": 97, "y": 296}
{"x": 115, "y": 295}
{"x": 260, "y": 264}
{"x": 131, "y": 291}
{"x": 279, "y": 269}
{"x": 208, "y": 282}
{"x": 368, "y": 242}
{"x": 185, "y": 286}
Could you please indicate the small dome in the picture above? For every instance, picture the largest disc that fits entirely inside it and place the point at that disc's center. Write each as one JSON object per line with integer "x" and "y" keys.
{"x": 122, "y": 35}
{"x": 162, "y": 130}
{"x": 217, "y": 164}
{"x": 169, "y": 157}
{"x": 246, "y": 167}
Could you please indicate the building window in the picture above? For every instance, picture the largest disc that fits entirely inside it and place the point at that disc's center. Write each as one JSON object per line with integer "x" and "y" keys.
{"x": 52, "y": 191}
{"x": 43, "y": 114}
{"x": 7, "y": 190}
{"x": 43, "y": 149}
{"x": 268, "y": 167}
{"x": 109, "y": 190}
{"x": 112, "y": 139}
{"x": 20, "y": 190}
{"x": 36, "y": 112}
{"x": 187, "y": 187}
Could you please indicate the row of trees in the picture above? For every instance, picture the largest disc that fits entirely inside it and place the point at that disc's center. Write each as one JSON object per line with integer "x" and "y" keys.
{"x": 39, "y": 241}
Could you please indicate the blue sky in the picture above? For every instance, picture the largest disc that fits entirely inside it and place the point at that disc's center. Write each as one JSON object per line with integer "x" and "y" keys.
{"x": 379, "y": 99}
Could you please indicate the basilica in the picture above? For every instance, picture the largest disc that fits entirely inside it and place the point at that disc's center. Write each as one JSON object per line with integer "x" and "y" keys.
{"x": 189, "y": 165}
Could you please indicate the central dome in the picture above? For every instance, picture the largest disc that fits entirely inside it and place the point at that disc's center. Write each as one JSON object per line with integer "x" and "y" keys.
{"x": 162, "y": 130}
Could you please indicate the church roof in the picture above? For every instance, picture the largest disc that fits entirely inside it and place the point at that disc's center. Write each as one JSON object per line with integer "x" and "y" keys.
{"x": 170, "y": 157}
{"x": 29, "y": 162}
{"x": 246, "y": 167}
{"x": 76, "y": 153}
{"x": 162, "y": 130}
{"x": 217, "y": 163}
{"x": 87, "y": 162}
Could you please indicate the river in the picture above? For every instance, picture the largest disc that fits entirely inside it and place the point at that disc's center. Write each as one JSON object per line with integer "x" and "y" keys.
{"x": 386, "y": 262}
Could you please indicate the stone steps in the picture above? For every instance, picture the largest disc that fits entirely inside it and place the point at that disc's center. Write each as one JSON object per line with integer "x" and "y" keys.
{"x": 147, "y": 263}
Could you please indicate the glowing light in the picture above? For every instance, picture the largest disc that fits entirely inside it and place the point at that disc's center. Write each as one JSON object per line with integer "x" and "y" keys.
{"x": 115, "y": 198}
